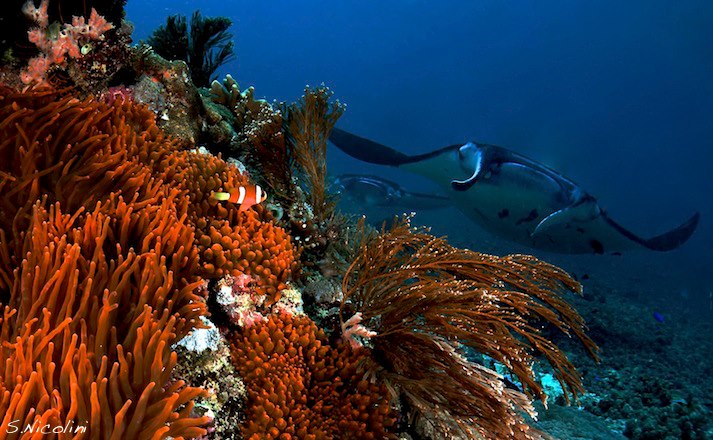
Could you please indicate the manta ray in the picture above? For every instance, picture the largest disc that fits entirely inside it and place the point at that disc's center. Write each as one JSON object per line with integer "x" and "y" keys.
{"x": 517, "y": 198}
{"x": 381, "y": 200}
{"x": 366, "y": 190}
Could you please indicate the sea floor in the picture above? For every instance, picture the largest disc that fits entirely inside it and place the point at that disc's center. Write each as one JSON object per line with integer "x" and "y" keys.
{"x": 655, "y": 378}
{"x": 652, "y": 317}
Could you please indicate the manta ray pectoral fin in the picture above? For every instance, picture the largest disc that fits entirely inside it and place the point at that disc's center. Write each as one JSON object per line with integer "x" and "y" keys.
{"x": 367, "y": 150}
{"x": 582, "y": 228}
{"x": 585, "y": 228}
{"x": 668, "y": 240}
{"x": 478, "y": 159}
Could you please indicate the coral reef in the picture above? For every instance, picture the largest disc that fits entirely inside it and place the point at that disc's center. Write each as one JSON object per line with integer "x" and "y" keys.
{"x": 137, "y": 305}
{"x": 289, "y": 155}
{"x": 166, "y": 88}
{"x": 106, "y": 231}
{"x": 301, "y": 387}
{"x": 420, "y": 300}
{"x": 207, "y": 47}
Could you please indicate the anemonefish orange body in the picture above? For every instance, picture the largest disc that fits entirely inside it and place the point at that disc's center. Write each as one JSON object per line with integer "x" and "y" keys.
{"x": 245, "y": 196}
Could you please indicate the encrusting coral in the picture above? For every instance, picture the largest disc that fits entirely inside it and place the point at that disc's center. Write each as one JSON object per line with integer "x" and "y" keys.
{"x": 415, "y": 301}
{"x": 107, "y": 231}
{"x": 300, "y": 387}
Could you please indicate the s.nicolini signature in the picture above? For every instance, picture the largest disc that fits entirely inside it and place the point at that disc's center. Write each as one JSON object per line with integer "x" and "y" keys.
{"x": 15, "y": 426}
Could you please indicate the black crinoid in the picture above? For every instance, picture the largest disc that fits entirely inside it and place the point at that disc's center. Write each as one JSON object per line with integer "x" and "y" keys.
{"x": 208, "y": 46}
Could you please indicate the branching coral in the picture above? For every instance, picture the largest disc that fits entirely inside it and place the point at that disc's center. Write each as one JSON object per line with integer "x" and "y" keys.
{"x": 308, "y": 124}
{"x": 206, "y": 48}
{"x": 426, "y": 299}
{"x": 301, "y": 387}
{"x": 102, "y": 251}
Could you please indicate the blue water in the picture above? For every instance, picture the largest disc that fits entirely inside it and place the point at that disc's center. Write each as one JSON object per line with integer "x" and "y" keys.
{"x": 616, "y": 95}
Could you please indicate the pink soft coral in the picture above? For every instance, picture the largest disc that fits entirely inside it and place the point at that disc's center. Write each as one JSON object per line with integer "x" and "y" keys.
{"x": 94, "y": 29}
{"x": 55, "y": 50}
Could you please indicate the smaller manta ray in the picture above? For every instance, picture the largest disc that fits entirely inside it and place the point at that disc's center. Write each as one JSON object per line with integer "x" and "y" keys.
{"x": 373, "y": 191}
{"x": 514, "y": 197}
{"x": 381, "y": 200}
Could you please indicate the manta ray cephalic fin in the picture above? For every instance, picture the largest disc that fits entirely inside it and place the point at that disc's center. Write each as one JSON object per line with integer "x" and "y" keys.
{"x": 478, "y": 168}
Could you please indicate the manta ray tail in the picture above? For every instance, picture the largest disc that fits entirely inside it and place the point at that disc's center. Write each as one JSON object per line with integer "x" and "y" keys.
{"x": 366, "y": 150}
{"x": 668, "y": 240}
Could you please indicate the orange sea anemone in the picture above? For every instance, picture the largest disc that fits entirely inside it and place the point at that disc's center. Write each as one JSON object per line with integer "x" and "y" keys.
{"x": 300, "y": 387}
{"x": 105, "y": 229}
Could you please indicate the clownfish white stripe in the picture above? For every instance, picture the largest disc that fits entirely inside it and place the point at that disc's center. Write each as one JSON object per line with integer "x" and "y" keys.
{"x": 258, "y": 194}
{"x": 241, "y": 198}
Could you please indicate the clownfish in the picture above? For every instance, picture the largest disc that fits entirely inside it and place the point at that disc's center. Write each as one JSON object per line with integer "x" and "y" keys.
{"x": 245, "y": 196}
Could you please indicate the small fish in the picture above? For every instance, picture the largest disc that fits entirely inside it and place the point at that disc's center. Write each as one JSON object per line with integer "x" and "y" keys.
{"x": 245, "y": 196}
{"x": 659, "y": 317}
